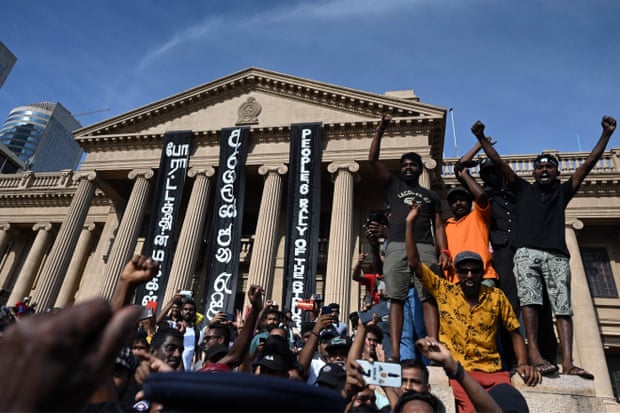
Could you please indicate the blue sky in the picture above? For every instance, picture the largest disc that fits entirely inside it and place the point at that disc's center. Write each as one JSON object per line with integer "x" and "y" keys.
{"x": 539, "y": 73}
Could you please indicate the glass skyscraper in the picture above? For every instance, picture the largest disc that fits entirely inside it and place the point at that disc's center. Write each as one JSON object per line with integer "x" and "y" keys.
{"x": 41, "y": 136}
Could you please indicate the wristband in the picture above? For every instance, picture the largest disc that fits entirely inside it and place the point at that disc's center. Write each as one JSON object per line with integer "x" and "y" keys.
{"x": 445, "y": 251}
{"x": 458, "y": 374}
{"x": 313, "y": 333}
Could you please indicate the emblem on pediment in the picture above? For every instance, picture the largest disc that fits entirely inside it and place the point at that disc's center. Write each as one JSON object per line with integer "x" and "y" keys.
{"x": 248, "y": 112}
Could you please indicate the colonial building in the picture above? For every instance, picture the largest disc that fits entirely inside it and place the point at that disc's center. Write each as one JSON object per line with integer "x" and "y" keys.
{"x": 65, "y": 236}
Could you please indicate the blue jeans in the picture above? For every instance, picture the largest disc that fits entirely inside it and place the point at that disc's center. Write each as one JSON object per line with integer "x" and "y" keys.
{"x": 413, "y": 326}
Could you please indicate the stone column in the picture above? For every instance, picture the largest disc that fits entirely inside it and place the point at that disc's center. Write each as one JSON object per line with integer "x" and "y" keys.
{"x": 5, "y": 235}
{"x": 188, "y": 246}
{"x": 425, "y": 179}
{"x": 28, "y": 271}
{"x": 74, "y": 272}
{"x": 339, "y": 256}
{"x": 127, "y": 233}
{"x": 588, "y": 347}
{"x": 5, "y": 227}
{"x": 265, "y": 241}
{"x": 56, "y": 265}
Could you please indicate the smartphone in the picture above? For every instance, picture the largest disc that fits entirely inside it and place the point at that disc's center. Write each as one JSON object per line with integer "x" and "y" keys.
{"x": 381, "y": 374}
{"x": 186, "y": 293}
{"x": 380, "y": 310}
{"x": 326, "y": 310}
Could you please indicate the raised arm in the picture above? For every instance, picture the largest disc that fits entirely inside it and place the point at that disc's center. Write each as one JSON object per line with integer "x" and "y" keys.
{"x": 375, "y": 148}
{"x": 478, "y": 131}
{"x": 437, "y": 352}
{"x": 138, "y": 270}
{"x": 609, "y": 126}
{"x": 357, "y": 268}
{"x": 480, "y": 197}
{"x": 307, "y": 351}
{"x": 240, "y": 348}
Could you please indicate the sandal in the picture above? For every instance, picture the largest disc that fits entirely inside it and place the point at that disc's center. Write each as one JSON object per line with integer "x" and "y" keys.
{"x": 546, "y": 369}
{"x": 578, "y": 371}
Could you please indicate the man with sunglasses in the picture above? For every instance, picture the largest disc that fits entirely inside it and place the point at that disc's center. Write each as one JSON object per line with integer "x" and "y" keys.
{"x": 470, "y": 314}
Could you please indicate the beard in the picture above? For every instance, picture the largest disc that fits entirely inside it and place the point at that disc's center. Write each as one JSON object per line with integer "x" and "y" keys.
{"x": 471, "y": 291}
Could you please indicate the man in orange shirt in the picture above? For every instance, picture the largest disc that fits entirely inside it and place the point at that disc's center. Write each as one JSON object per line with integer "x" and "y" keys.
{"x": 468, "y": 229}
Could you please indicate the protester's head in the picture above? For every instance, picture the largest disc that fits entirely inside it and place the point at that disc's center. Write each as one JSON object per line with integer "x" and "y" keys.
{"x": 273, "y": 364}
{"x": 414, "y": 376}
{"x": 364, "y": 401}
{"x": 491, "y": 174}
{"x": 324, "y": 338}
{"x": 374, "y": 336}
{"x": 332, "y": 376}
{"x": 215, "y": 334}
{"x": 338, "y": 349}
{"x": 469, "y": 269}
{"x": 509, "y": 399}
{"x": 460, "y": 201}
{"x": 215, "y": 353}
{"x": 271, "y": 318}
{"x": 410, "y": 167}
{"x": 546, "y": 170}
{"x": 306, "y": 331}
{"x": 413, "y": 401}
{"x": 175, "y": 309}
{"x": 188, "y": 311}
{"x": 140, "y": 343}
{"x": 124, "y": 368}
{"x": 167, "y": 345}
{"x": 354, "y": 319}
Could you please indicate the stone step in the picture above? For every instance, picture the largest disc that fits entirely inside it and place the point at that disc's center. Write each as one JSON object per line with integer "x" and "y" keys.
{"x": 561, "y": 394}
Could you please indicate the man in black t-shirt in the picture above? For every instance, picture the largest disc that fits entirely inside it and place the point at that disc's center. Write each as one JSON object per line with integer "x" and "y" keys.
{"x": 542, "y": 258}
{"x": 401, "y": 193}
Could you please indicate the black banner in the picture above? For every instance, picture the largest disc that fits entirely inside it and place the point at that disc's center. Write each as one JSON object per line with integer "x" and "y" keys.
{"x": 161, "y": 239}
{"x": 303, "y": 214}
{"x": 225, "y": 239}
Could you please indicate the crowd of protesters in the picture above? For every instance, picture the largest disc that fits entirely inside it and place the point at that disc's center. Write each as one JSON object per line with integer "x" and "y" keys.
{"x": 437, "y": 292}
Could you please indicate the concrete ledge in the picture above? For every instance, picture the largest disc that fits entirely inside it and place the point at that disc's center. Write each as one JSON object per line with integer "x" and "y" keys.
{"x": 562, "y": 394}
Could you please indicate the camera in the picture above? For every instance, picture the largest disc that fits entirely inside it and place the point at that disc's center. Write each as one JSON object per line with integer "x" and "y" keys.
{"x": 308, "y": 304}
{"x": 378, "y": 217}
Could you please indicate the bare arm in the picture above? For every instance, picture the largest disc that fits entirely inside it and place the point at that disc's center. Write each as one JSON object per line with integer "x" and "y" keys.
{"x": 138, "y": 270}
{"x": 437, "y": 352}
{"x": 375, "y": 148}
{"x": 609, "y": 126}
{"x": 442, "y": 242}
{"x": 474, "y": 188}
{"x": 305, "y": 355}
{"x": 357, "y": 347}
{"x": 357, "y": 268}
{"x": 478, "y": 131}
{"x": 240, "y": 348}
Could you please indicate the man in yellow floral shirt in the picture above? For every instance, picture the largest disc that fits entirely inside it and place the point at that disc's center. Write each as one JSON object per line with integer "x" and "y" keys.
{"x": 469, "y": 316}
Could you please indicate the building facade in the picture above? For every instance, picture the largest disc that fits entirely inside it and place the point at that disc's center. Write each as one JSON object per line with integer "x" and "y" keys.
{"x": 41, "y": 136}
{"x": 65, "y": 235}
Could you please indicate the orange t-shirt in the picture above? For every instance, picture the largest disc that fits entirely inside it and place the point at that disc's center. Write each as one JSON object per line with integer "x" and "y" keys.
{"x": 471, "y": 233}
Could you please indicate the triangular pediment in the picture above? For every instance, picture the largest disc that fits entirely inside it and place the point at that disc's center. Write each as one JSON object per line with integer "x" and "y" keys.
{"x": 259, "y": 98}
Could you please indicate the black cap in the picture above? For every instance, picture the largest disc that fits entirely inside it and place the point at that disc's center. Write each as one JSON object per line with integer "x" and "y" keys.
{"x": 458, "y": 190}
{"x": 463, "y": 256}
